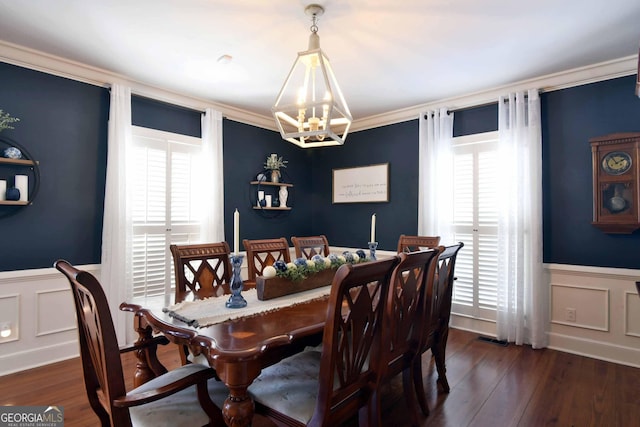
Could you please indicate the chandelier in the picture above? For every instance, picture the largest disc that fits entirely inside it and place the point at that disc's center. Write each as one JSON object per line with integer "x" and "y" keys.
{"x": 310, "y": 110}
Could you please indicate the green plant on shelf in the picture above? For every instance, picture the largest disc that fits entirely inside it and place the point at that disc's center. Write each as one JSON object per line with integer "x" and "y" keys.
{"x": 6, "y": 120}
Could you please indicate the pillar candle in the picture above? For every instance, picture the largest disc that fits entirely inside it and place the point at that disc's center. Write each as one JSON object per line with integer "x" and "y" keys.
{"x": 268, "y": 199}
{"x": 22, "y": 184}
{"x": 3, "y": 189}
{"x": 236, "y": 231}
{"x": 260, "y": 196}
{"x": 373, "y": 228}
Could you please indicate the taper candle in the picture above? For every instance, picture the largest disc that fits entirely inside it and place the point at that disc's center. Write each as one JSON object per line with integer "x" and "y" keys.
{"x": 236, "y": 231}
{"x": 373, "y": 228}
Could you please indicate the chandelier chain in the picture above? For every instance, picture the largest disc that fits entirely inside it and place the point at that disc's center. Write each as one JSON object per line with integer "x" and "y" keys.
{"x": 314, "y": 23}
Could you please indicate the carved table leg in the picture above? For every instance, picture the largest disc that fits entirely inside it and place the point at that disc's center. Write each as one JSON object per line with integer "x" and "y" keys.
{"x": 238, "y": 408}
{"x": 148, "y": 366}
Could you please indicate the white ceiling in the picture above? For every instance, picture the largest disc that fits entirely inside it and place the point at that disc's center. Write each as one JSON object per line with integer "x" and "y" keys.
{"x": 387, "y": 54}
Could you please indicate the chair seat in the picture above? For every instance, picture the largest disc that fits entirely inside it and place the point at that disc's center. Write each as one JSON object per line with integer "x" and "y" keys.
{"x": 181, "y": 409}
{"x": 291, "y": 386}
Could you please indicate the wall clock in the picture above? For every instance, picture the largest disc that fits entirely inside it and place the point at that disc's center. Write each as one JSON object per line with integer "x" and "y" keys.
{"x": 616, "y": 182}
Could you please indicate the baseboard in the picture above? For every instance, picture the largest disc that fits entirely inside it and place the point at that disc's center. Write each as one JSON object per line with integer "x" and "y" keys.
{"x": 595, "y": 349}
{"x": 16, "y": 362}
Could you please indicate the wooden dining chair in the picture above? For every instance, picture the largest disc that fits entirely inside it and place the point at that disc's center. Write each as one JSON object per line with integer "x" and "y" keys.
{"x": 261, "y": 253}
{"x": 416, "y": 243}
{"x": 436, "y": 330}
{"x": 307, "y": 247}
{"x": 328, "y": 387}
{"x": 201, "y": 271}
{"x": 405, "y": 311}
{"x": 181, "y": 397}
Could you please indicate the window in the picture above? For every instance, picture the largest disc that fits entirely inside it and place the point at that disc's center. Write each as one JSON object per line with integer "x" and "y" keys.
{"x": 475, "y": 222}
{"x": 164, "y": 206}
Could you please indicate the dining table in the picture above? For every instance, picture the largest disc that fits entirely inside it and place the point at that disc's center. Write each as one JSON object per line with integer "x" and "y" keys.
{"x": 237, "y": 347}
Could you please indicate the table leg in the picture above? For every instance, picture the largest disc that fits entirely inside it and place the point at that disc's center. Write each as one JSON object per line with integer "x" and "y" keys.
{"x": 148, "y": 366}
{"x": 238, "y": 408}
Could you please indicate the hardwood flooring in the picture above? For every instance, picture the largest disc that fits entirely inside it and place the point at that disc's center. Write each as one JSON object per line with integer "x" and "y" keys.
{"x": 491, "y": 386}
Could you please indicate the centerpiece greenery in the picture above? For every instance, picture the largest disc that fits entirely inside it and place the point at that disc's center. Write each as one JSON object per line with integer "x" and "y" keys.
{"x": 302, "y": 268}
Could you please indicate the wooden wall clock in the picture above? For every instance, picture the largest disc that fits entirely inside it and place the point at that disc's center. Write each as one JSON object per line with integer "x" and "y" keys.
{"x": 616, "y": 182}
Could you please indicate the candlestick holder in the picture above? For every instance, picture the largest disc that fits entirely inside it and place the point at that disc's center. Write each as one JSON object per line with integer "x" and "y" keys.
{"x": 236, "y": 300}
{"x": 372, "y": 250}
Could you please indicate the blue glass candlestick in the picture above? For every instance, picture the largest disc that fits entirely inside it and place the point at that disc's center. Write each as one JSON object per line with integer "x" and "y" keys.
{"x": 372, "y": 250}
{"x": 236, "y": 300}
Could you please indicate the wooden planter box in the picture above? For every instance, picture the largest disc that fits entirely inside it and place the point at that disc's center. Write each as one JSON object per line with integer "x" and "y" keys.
{"x": 279, "y": 286}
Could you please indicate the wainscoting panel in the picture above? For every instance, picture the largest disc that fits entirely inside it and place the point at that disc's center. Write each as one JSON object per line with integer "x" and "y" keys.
{"x": 632, "y": 314}
{"x": 54, "y": 312}
{"x": 9, "y": 315}
{"x": 580, "y": 307}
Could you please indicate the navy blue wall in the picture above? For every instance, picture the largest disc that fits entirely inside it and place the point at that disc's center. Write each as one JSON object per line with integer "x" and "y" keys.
{"x": 349, "y": 224}
{"x": 64, "y": 126}
{"x": 245, "y": 151}
{"x": 570, "y": 117}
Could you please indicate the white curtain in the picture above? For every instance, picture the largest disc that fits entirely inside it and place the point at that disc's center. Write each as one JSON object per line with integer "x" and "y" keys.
{"x": 212, "y": 192}
{"x": 523, "y": 301}
{"x": 115, "y": 271}
{"x": 435, "y": 175}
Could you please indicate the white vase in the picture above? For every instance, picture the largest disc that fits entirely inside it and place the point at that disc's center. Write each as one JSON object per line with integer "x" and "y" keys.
{"x": 283, "y": 194}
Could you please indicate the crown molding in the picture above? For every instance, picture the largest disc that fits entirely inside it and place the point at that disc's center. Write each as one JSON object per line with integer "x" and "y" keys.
{"x": 61, "y": 67}
{"x": 576, "y": 77}
{"x": 40, "y": 61}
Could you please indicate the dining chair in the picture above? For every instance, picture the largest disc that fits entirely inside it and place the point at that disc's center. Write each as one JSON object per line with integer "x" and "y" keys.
{"x": 436, "y": 331}
{"x": 309, "y": 246}
{"x": 406, "y": 308}
{"x": 329, "y": 387}
{"x": 416, "y": 243}
{"x": 201, "y": 271}
{"x": 261, "y": 253}
{"x": 181, "y": 397}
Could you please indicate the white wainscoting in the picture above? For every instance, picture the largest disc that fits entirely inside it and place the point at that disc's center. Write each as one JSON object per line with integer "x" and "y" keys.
{"x": 38, "y": 305}
{"x": 607, "y": 313}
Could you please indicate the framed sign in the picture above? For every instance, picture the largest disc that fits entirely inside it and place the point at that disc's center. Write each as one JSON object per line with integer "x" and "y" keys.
{"x": 362, "y": 184}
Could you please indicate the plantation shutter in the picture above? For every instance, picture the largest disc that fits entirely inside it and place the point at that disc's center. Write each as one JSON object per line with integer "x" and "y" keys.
{"x": 164, "y": 208}
{"x": 476, "y": 224}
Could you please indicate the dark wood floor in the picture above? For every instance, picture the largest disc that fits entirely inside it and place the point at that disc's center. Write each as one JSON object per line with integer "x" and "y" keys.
{"x": 491, "y": 386}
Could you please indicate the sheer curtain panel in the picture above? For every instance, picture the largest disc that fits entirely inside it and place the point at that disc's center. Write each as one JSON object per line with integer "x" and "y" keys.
{"x": 115, "y": 271}
{"x": 523, "y": 301}
{"x": 435, "y": 175}
{"x": 212, "y": 191}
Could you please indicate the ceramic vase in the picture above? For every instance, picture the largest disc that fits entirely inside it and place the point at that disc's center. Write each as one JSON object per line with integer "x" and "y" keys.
{"x": 275, "y": 175}
{"x": 283, "y": 194}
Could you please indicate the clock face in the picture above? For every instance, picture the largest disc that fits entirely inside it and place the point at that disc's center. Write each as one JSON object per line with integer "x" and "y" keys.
{"x": 616, "y": 162}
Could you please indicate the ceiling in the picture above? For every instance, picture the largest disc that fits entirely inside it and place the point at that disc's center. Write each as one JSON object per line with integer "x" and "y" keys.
{"x": 387, "y": 55}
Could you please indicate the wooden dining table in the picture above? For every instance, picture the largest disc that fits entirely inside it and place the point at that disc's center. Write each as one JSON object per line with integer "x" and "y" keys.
{"x": 237, "y": 349}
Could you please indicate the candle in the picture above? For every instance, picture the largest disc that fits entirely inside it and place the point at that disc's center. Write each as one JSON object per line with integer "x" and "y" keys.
{"x": 3, "y": 189}
{"x": 236, "y": 231}
{"x": 373, "y": 228}
{"x": 22, "y": 184}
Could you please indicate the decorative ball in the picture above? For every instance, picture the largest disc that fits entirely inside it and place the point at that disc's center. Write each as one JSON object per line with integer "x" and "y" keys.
{"x": 269, "y": 272}
{"x": 13, "y": 193}
{"x": 12, "y": 153}
{"x": 261, "y": 177}
{"x": 361, "y": 254}
{"x": 348, "y": 256}
{"x": 300, "y": 262}
{"x": 280, "y": 265}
